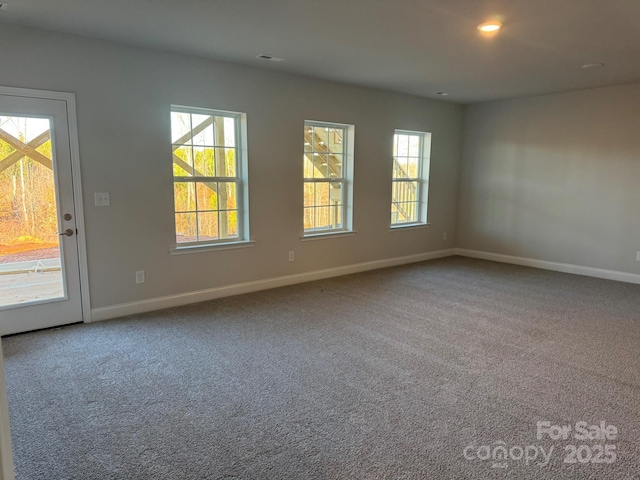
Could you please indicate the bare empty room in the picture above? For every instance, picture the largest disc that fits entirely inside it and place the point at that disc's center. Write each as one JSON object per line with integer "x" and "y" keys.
{"x": 319, "y": 240}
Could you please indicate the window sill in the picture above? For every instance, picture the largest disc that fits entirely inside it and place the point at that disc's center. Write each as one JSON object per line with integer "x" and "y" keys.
{"x": 321, "y": 236}
{"x": 211, "y": 247}
{"x": 408, "y": 226}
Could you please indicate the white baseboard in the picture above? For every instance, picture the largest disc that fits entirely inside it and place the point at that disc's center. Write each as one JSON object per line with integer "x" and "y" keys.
{"x": 555, "y": 266}
{"x": 114, "y": 311}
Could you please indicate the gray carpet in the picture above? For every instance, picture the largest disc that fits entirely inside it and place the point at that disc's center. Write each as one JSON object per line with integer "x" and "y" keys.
{"x": 388, "y": 374}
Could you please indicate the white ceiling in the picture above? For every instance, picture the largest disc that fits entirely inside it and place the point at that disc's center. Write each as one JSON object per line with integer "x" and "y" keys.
{"x": 412, "y": 46}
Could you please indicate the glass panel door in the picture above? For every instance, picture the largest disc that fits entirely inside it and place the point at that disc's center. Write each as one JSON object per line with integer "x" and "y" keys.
{"x": 39, "y": 264}
{"x": 30, "y": 267}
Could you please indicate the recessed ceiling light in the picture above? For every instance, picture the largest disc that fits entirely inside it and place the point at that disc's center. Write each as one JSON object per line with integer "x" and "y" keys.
{"x": 270, "y": 58}
{"x": 593, "y": 65}
{"x": 442, "y": 94}
{"x": 489, "y": 27}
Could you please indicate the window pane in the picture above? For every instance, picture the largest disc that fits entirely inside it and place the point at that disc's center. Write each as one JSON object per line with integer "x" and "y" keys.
{"x": 395, "y": 189}
{"x": 414, "y": 146}
{"x": 184, "y": 194}
{"x": 309, "y": 221}
{"x": 335, "y": 165}
{"x": 180, "y": 128}
{"x": 229, "y": 224}
{"x": 308, "y": 166}
{"x": 308, "y": 143}
{"x": 336, "y": 216}
{"x": 186, "y": 227}
{"x": 406, "y": 212}
{"x": 400, "y": 167}
{"x": 412, "y": 192}
{"x": 394, "y": 214}
{"x": 413, "y": 167}
{"x": 335, "y": 193}
{"x": 227, "y": 196}
{"x": 207, "y": 195}
{"x": 229, "y": 132}
{"x": 183, "y": 162}
{"x": 320, "y": 138}
{"x": 202, "y": 130}
{"x": 403, "y": 145}
{"x": 411, "y": 207}
{"x": 207, "y": 226}
{"x": 335, "y": 140}
{"x": 322, "y": 194}
{"x": 322, "y": 220}
{"x": 403, "y": 214}
{"x": 320, "y": 161}
{"x": 414, "y": 211}
{"x": 399, "y": 213}
{"x": 204, "y": 161}
{"x": 309, "y": 195}
{"x": 226, "y": 162}
{"x": 405, "y": 191}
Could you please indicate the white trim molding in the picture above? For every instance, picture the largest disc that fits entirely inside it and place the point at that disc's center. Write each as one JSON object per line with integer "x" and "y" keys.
{"x": 555, "y": 266}
{"x": 123, "y": 309}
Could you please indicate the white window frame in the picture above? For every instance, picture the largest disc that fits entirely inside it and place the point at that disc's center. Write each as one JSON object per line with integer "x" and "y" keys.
{"x": 348, "y": 137}
{"x": 241, "y": 181}
{"x": 422, "y": 180}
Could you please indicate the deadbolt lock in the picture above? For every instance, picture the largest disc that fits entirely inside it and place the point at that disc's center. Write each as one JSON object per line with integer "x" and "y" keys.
{"x": 67, "y": 216}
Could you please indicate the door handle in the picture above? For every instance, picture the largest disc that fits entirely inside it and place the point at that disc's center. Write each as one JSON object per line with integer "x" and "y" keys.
{"x": 67, "y": 233}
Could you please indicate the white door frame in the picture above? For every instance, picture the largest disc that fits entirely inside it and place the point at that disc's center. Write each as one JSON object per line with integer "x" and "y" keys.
{"x": 6, "y": 459}
{"x": 70, "y": 100}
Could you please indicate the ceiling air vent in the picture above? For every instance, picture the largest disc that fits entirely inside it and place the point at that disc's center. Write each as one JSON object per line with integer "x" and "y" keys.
{"x": 270, "y": 58}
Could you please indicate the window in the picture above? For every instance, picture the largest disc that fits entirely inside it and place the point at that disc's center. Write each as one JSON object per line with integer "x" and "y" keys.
{"x": 411, "y": 159}
{"x": 209, "y": 183}
{"x": 328, "y": 172}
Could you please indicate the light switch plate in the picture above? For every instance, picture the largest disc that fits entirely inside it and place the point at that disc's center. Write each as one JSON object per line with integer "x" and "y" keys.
{"x": 102, "y": 199}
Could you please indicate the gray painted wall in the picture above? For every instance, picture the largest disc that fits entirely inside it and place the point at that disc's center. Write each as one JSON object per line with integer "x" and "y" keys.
{"x": 123, "y": 98}
{"x": 554, "y": 177}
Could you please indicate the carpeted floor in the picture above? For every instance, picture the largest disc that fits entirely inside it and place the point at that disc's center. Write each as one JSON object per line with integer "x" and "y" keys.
{"x": 415, "y": 372}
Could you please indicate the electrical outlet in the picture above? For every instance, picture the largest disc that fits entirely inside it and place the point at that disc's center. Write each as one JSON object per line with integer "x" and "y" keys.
{"x": 102, "y": 199}
{"x": 444, "y": 235}
{"x": 140, "y": 276}
{"x": 292, "y": 256}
